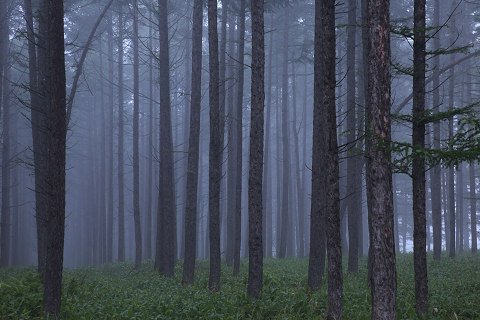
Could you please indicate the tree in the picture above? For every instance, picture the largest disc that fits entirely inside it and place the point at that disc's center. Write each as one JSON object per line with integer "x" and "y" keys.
{"x": 136, "y": 137}
{"x": 193, "y": 146}
{"x": 215, "y": 150}
{"x": 165, "y": 253}
{"x": 53, "y": 89}
{"x": 120, "y": 155}
{"x": 418, "y": 166}
{"x": 255, "y": 209}
{"x": 379, "y": 172}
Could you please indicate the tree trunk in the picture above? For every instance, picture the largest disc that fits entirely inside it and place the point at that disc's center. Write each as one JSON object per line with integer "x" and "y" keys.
{"x": 379, "y": 174}
{"x": 136, "y": 138}
{"x": 352, "y": 157}
{"x": 216, "y": 145}
{"x": 53, "y": 88}
{"x": 239, "y": 136}
{"x": 255, "y": 211}
{"x": 193, "y": 146}
{"x": 473, "y": 207}
{"x": 418, "y": 167}
{"x": 121, "y": 195}
{"x": 166, "y": 228}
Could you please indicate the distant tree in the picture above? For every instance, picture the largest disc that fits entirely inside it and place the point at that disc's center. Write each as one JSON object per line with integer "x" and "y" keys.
{"x": 255, "y": 211}
{"x": 379, "y": 171}
{"x": 215, "y": 151}
{"x": 165, "y": 253}
{"x": 418, "y": 167}
{"x": 136, "y": 138}
{"x": 193, "y": 146}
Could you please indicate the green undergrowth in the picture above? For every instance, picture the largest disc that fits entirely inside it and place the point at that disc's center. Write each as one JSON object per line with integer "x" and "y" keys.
{"x": 119, "y": 292}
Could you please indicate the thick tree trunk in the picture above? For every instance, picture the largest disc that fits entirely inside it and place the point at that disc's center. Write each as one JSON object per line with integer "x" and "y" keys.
{"x": 255, "y": 211}
{"x": 53, "y": 88}
{"x": 239, "y": 136}
{"x": 216, "y": 145}
{"x": 435, "y": 175}
{"x": 379, "y": 172}
{"x": 166, "y": 228}
{"x": 121, "y": 119}
{"x": 418, "y": 167}
{"x": 193, "y": 146}
{"x": 136, "y": 138}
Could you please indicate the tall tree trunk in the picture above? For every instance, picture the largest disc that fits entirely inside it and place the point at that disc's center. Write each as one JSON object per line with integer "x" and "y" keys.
{"x": 239, "y": 136}
{"x": 459, "y": 207}
{"x": 111, "y": 109}
{"x": 379, "y": 174}
{"x": 435, "y": 175}
{"x": 53, "y": 88}
{"x": 165, "y": 257}
{"x": 285, "y": 216}
{"x": 352, "y": 190}
{"x": 193, "y": 146}
{"x": 418, "y": 167}
{"x": 255, "y": 211}
{"x": 136, "y": 138}
{"x": 318, "y": 219}
{"x": 215, "y": 151}
{"x": 473, "y": 207}
{"x": 121, "y": 116}
{"x": 5, "y": 222}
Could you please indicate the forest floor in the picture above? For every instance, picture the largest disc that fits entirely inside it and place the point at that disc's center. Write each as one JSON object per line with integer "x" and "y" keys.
{"x": 119, "y": 292}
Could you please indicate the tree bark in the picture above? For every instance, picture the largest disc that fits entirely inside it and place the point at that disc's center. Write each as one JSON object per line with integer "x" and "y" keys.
{"x": 111, "y": 109}
{"x": 193, "y": 146}
{"x": 255, "y": 211}
{"x": 165, "y": 254}
{"x": 53, "y": 89}
{"x": 473, "y": 207}
{"x": 418, "y": 167}
{"x": 379, "y": 171}
{"x": 136, "y": 138}
{"x": 120, "y": 155}
{"x": 215, "y": 151}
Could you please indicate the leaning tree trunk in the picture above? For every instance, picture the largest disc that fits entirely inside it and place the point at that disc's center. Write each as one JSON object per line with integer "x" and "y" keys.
{"x": 255, "y": 247}
{"x": 418, "y": 167}
{"x": 53, "y": 88}
{"x": 379, "y": 169}
{"x": 215, "y": 161}
{"x": 193, "y": 146}
{"x": 165, "y": 253}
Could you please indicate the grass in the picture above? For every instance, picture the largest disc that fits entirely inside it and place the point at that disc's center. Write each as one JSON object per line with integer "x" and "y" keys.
{"x": 119, "y": 292}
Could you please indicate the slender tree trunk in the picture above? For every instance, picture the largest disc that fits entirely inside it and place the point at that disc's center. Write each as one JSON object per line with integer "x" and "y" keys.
{"x": 239, "y": 145}
{"x": 215, "y": 165}
{"x": 418, "y": 167}
{"x": 353, "y": 210}
{"x": 255, "y": 211}
{"x": 473, "y": 207}
{"x": 136, "y": 138}
{"x": 121, "y": 119}
{"x": 459, "y": 207}
{"x": 111, "y": 108}
{"x": 53, "y": 88}
{"x": 193, "y": 146}
{"x": 318, "y": 219}
{"x": 165, "y": 257}
{"x": 451, "y": 176}
{"x": 379, "y": 174}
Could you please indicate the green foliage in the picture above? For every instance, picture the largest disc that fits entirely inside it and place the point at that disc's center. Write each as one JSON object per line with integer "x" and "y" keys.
{"x": 120, "y": 292}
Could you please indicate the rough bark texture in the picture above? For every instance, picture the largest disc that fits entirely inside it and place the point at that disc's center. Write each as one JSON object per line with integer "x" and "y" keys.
{"x": 215, "y": 151}
{"x": 353, "y": 210}
{"x": 379, "y": 171}
{"x": 193, "y": 146}
{"x": 255, "y": 210}
{"x": 136, "y": 140}
{"x": 418, "y": 167}
{"x": 53, "y": 89}
{"x": 316, "y": 264}
{"x": 239, "y": 146}
{"x": 435, "y": 175}
{"x": 165, "y": 252}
